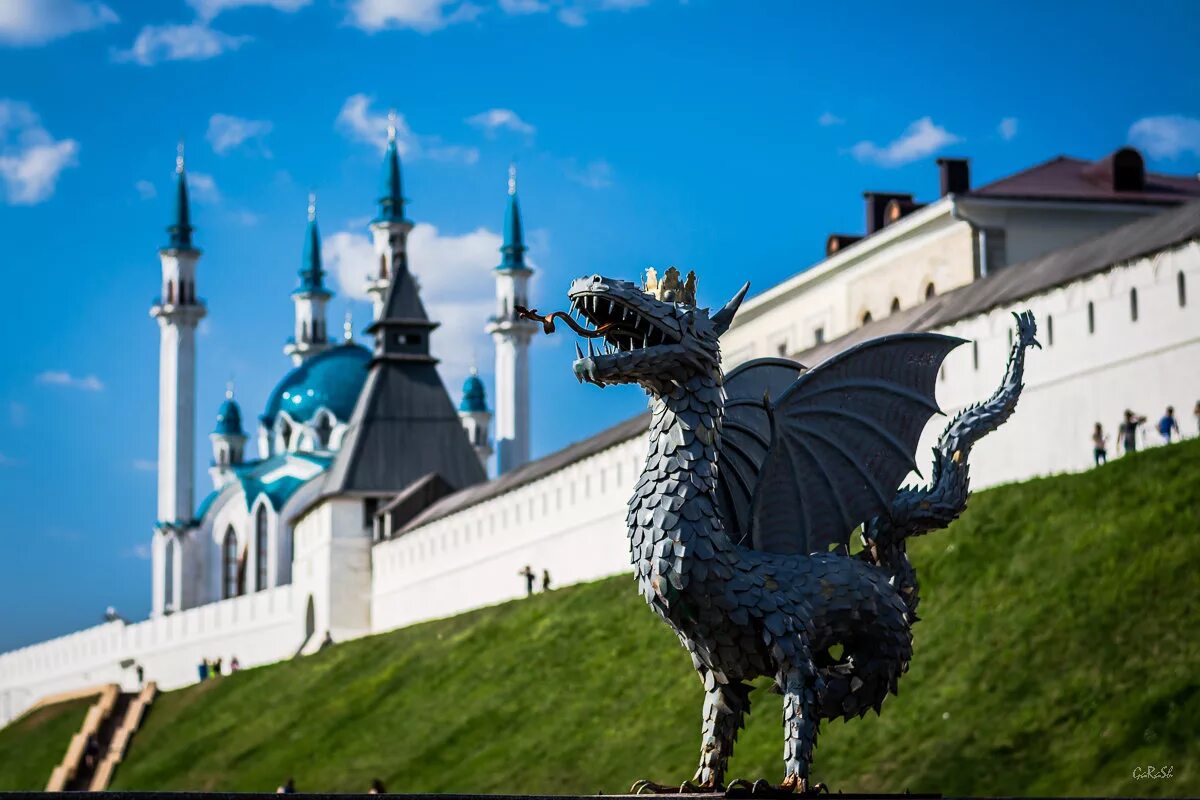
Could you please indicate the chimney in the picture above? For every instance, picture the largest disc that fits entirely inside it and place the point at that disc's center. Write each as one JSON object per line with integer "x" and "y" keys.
{"x": 839, "y": 241}
{"x": 876, "y": 202}
{"x": 955, "y": 174}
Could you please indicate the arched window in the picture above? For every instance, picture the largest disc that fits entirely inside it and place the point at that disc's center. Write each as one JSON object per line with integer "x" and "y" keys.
{"x": 929, "y": 291}
{"x": 866, "y": 317}
{"x": 260, "y": 549}
{"x": 1091, "y": 317}
{"x": 229, "y": 564}
{"x": 1181, "y": 288}
{"x": 323, "y": 429}
{"x": 1133, "y": 308}
{"x": 1049, "y": 331}
{"x": 382, "y": 265}
{"x": 169, "y": 574}
{"x": 895, "y": 304}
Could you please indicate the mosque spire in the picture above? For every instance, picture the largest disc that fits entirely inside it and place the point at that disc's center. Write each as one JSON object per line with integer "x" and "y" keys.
{"x": 348, "y": 327}
{"x": 514, "y": 248}
{"x": 391, "y": 197}
{"x": 312, "y": 275}
{"x": 180, "y": 229}
{"x": 308, "y": 336}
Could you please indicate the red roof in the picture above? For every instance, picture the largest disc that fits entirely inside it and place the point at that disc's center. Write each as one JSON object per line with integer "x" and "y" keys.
{"x": 1066, "y": 178}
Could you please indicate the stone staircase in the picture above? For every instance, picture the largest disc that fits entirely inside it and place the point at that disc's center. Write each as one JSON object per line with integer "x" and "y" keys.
{"x": 113, "y": 720}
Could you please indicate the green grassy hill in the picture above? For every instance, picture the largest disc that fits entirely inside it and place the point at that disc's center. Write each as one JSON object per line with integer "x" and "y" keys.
{"x": 1059, "y": 651}
{"x": 32, "y": 746}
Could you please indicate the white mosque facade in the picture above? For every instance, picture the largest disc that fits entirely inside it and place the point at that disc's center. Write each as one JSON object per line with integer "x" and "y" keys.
{"x": 336, "y": 531}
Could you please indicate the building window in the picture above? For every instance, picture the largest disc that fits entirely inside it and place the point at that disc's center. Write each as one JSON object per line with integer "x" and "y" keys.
{"x": 1049, "y": 330}
{"x": 169, "y": 575}
{"x": 229, "y": 565}
{"x": 819, "y": 336}
{"x": 895, "y": 304}
{"x": 1133, "y": 309}
{"x": 1181, "y": 288}
{"x": 1091, "y": 317}
{"x": 929, "y": 291}
{"x": 866, "y": 317}
{"x": 260, "y": 549}
{"x": 975, "y": 354}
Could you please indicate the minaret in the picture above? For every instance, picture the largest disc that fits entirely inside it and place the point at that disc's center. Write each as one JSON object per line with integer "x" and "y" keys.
{"x": 476, "y": 418}
{"x": 511, "y": 335}
{"x": 178, "y": 311}
{"x": 389, "y": 229}
{"x": 228, "y": 441}
{"x": 310, "y": 296}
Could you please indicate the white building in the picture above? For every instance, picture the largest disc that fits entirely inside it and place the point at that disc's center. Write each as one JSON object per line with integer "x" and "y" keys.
{"x": 368, "y": 508}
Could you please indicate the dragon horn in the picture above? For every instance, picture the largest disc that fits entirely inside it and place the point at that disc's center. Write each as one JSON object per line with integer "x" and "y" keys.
{"x": 723, "y": 318}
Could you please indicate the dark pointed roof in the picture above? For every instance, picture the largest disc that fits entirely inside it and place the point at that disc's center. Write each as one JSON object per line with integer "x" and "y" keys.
{"x": 179, "y": 232}
{"x": 513, "y": 249}
{"x": 312, "y": 275}
{"x": 391, "y": 194}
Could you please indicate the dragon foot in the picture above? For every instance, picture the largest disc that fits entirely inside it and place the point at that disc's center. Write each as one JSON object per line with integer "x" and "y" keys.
{"x": 791, "y": 786}
{"x": 687, "y": 787}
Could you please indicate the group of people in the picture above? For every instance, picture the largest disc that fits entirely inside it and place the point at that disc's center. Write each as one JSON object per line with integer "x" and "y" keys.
{"x": 211, "y": 668}
{"x": 1127, "y": 432}
{"x": 531, "y": 577}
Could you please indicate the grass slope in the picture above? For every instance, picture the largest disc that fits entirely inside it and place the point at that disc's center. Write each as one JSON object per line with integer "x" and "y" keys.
{"x": 32, "y": 746}
{"x": 1058, "y": 651}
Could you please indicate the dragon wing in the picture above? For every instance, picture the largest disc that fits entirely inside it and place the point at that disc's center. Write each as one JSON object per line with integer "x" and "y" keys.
{"x": 746, "y": 435}
{"x": 842, "y": 438}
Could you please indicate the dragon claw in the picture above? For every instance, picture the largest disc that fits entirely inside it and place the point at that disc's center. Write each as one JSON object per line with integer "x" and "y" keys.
{"x": 687, "y": 787}
{"x": 791, "y": 786}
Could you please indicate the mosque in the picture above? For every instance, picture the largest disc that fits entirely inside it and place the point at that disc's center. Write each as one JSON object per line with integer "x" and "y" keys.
{"x": 369, "y": 506}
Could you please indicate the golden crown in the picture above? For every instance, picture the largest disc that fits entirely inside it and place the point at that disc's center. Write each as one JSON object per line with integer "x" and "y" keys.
{"x": 670, "y": 289}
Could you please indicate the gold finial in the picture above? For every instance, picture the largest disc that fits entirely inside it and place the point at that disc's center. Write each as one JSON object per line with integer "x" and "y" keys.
{"x": 391, "y": 126}
{"x": 670, "y": 289}
{"x": 348, "y": 327}
{"x": 179, "y": 157}
{"x": 512, "y": 177}
{"x": 312, "y": 206}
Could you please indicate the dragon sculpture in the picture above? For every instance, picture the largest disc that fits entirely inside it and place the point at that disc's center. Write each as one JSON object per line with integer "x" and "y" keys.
{"x": 740, "y": 525}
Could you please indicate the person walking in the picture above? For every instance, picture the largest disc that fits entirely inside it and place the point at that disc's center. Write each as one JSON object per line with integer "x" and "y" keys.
{"x": 545, "y": 580}
{"x": 1129, "y": 429}
{"x": 1099, "y": 445}
{"x": 1196, "y": 414}
{"x": 527, "y": 574}
{"x": 203, "y": 669}
{"x": 1168, "y": 425}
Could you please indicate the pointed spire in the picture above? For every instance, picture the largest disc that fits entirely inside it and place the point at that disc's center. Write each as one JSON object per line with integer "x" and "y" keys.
{"x": 312, "y": 276}
{"x": 229, "y": 389}
{"x": 348, "y": 327}
{"x": 180, "y": 230}
{"x": 514, "y": 248}
{"x": 391, "y": 197}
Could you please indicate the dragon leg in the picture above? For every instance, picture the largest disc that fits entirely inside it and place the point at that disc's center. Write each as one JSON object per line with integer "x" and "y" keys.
{"x": 725, "y": 710}
{"x": 801, "y": 686}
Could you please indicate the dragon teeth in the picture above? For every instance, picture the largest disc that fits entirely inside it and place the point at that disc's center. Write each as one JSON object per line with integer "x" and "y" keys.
{"x": 578, "y": 350}
{"x": 591, "y": 350}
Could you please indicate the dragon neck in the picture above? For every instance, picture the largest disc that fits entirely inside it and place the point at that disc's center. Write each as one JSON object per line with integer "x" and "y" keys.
{"x": 675, "y": 499}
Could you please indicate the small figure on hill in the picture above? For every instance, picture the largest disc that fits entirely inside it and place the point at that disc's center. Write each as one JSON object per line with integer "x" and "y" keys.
{"x": 376, "y": 787}
{"x": 1129, "y": 429}
{"x": 203, "y": 669}
{"x": 328, "y": 640}
{"x": 1099, "y": 445}
{"x": 141, "y": 675}
{"x": 216, "y": 667}
{"x": 288, "y": 787}
{"x": 1196, "y": 414}
{"x": 545, "y": 580}
{"x": 527, "y": 574}
{"x": 1168, "y": 425}
{"x": 91, "y": 751}
{"x": 234, "y": 665}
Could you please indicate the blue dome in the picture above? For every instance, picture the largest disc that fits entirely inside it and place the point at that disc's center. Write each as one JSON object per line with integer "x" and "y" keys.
{"x": 474, "y": 396}
{"x": 331, "y": 379}
{"x": 229, "y": 419}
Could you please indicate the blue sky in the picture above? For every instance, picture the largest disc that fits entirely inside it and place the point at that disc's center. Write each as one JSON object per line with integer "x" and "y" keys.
{"x": 725, "y": 137}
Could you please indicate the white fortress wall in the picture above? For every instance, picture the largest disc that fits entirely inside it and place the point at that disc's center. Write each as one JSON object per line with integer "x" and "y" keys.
{"x": 258, "y": 628}
{"x": 571, "y": 522}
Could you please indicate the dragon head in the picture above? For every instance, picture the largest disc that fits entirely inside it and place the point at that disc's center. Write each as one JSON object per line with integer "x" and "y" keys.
{"x": 652, "y": 335}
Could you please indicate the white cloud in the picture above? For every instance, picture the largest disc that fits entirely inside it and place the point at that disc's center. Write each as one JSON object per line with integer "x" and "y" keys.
{"x": 30, "y": 158}
{"x": 87, "y": 383}
{"x": 594, "y": 175}
{"x": 921, "y": 139}
{"x": 358, "y": 121}
{"x": 226, "y": 132}
{"x": 32, "y": 22}
{"x": 1007, "y": 128}
{"x": 524, "y": 6}
{"x": 193, "y": 42}
{"x": 443, "y": 264}
{"x": 424, "y": 16}
{"x": 145, "y": 189}
{"x": 828, "y": 119}
{"x": 145, "y": 465}
{"x": 140, "y": 552}
{"x": 574, "y": 13}
{"x": 495, "y": 119}
{"x": 209, "y": 9}
{"x": 1168, "y": 136}
{"x": 202, "y": 188}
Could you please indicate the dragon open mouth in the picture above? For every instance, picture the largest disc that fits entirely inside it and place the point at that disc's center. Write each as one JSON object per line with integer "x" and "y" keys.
{"x": 623, "y": 327}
